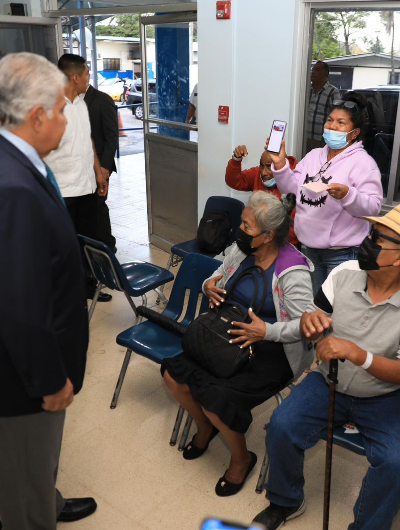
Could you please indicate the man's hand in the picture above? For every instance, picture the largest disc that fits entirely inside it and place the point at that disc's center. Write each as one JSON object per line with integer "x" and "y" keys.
{"x": 61, "y": 400}
{"x": 333, "y": 348}
{"x": 102, "y": 184}
{"x": 279, "y": 159}
{"x": 338, "y": 191}
{"x": 248, "y": 333}
{"x": 105, "y": 172}
{"x": 240, "y": 151}
{"x": 313, "y": 324}
{"x": 213, "y": 292}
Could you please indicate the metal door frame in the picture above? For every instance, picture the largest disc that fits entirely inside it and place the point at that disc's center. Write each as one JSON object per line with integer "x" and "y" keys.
{"x": 190, "y": 16}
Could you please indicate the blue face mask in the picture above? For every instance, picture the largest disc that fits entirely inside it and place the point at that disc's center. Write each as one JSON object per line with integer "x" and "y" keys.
{"x": 336, "y": 139}
{"x": 269, "y": 183}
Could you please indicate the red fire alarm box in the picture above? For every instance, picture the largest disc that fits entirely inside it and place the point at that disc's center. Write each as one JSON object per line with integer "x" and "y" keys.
{"x": 223, "y": 114}
{"x": 224, "y": 10}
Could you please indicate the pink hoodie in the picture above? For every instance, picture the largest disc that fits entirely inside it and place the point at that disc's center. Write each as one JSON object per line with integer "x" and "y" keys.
{"x": 324, "y": 222}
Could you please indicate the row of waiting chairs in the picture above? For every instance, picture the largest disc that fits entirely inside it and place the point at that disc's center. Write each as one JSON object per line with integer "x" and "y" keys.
{"x": 152, "y": 341}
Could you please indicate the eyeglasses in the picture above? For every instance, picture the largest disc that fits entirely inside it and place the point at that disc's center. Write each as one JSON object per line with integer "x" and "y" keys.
{"x": 320, "y": 173}
{"x": 347, "y": 104}
{"x": 375, "y": 235}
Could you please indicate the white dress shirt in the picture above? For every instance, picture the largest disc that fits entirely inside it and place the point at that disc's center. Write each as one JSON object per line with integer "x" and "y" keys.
{"x": 72, "y": 163}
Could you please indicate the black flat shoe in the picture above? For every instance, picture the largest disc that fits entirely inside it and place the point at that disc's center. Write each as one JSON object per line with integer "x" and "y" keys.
{"x": 76, "y": 509}
{"x": 224, "y": 488}
{"x": 191, "y": 452}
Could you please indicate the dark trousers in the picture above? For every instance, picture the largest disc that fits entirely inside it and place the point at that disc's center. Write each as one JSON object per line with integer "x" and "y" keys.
{"x": 83, "y": 212}
{"x": 29, "y": 453}
{"x": 103, "y": 228}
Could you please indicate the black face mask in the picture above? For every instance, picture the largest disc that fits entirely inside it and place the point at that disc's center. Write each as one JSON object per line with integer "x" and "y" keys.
{"x": 368, "y": 254}
{"x": 244, "y": 240}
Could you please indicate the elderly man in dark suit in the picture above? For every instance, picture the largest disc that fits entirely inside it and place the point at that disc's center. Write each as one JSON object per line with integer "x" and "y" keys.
{"x": 43, "y": 313}
{"x": 104, "y": 126}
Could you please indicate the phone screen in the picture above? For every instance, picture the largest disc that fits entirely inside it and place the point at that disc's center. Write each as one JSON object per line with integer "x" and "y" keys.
{"x": 217, "y": 524}
{"x": 275, "y": 138}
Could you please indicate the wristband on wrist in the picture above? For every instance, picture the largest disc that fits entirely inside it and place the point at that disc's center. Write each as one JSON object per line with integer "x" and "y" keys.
{"x": 368, "y": 361}
{"x": 236, "y": 158}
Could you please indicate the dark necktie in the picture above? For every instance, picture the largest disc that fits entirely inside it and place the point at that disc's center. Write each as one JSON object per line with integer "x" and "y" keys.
{"x": 52, "y": 179}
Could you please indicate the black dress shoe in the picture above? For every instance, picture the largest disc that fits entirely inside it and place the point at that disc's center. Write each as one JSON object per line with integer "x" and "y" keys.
{"x": 103, "y": 297}
{"x": 191, "y": 451}
{"x": 224, "y": 488}
{"x": 76, "y": 509}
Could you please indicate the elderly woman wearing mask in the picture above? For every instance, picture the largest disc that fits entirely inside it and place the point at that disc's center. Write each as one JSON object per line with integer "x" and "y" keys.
{"x": 280, "y": 353}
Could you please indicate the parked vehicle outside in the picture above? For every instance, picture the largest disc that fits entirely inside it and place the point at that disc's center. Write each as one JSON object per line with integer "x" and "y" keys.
{"x": 114, "y": 87}
{"x": 135, "y": 96}
{"x": 382, "y": 111}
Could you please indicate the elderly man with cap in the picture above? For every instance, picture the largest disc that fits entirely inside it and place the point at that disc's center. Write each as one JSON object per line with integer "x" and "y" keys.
{"x": 43, "y": 312}
{"x": 256, "y": 178}
{"x": 356, "y": 312}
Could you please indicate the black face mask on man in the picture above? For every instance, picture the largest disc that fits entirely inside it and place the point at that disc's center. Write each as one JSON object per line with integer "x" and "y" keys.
{"x": 368, "y": 254}
{"x": 244, "y": 240}
{"x": 370, "y": 250}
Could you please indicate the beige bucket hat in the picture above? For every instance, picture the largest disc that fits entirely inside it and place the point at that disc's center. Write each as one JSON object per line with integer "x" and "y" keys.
{"x": 391, "y": 220}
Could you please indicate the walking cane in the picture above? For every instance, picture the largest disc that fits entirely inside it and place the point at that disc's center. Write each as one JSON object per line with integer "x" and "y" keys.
{"x": 333, "y": 380}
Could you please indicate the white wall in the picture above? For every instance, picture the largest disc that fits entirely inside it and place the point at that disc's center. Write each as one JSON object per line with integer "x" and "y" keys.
{"x": 247, "y": 64}
{"x": 367, "y": 77}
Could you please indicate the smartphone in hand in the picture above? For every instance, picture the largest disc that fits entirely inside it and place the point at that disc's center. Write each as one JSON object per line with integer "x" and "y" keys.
{"x": 217, "y": 524}
{"x": 276, "y": 136}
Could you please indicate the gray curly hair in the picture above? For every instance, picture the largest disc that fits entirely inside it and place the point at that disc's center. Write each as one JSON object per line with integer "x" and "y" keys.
{"x": 27, "y": 80}
{"x": 272, "y": 214}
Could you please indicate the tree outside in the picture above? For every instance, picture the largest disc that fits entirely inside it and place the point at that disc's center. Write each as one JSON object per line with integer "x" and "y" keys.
{"x": 123, "y": 26}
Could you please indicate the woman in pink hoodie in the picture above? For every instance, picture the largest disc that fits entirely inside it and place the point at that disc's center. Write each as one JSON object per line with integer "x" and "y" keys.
{"x": 347, "y": 185}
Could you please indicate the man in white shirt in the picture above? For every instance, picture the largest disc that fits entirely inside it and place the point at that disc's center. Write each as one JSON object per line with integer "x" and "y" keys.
{"x": 192, "y": 111}
{"x": 75, "y": 163}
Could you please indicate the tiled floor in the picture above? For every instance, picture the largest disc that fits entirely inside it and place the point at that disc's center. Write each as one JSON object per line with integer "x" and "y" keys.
{"x": 122, "y": 457}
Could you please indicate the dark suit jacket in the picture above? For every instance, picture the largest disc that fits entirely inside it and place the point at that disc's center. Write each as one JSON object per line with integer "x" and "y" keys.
{"x": 43, "y": 313}
{"x": 104, "y": 124}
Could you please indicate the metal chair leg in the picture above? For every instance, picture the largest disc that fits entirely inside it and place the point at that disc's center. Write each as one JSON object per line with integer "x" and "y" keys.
{"x": 177, "y": 426}
{"x": 161, "y": 296}
{"x": 185, "y": 433}
{"x": 121, "y": 379}
{"x": 160, "y": 289}
{"x": 263, "y": 474}
{"x": 94, "y": 301}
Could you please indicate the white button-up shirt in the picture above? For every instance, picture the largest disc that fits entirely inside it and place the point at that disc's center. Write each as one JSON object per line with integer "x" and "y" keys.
{"x": 72, "y": 163}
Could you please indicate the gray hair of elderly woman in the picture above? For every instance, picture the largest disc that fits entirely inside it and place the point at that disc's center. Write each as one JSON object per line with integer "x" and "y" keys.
{"x": 273, "y": 214}
{"x": 27, "y": 80}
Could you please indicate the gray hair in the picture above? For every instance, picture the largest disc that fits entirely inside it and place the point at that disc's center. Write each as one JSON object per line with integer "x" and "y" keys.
{"x": 271, "y": 214}
{"x": 27, "y": 80}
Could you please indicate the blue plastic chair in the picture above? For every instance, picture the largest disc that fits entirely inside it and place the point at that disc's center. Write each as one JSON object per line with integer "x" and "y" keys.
{"x": 153, "y": 341}
{"x": 234, "y": 208}
{"x": 134, "y": 279}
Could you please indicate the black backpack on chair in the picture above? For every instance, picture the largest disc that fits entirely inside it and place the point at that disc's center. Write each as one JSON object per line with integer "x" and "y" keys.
{"x": 214, "y": 232}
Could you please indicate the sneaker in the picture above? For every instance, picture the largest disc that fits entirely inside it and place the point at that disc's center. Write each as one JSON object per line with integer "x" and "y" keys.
{"x": 275, "y": 516}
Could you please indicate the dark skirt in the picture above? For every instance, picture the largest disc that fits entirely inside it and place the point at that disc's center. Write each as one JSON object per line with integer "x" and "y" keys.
{"x": 232, "y": 399}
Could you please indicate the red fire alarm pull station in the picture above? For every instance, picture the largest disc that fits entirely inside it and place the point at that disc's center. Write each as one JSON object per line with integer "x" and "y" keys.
{"x": 223, "y": 114}
{"x": 224, "y": 10}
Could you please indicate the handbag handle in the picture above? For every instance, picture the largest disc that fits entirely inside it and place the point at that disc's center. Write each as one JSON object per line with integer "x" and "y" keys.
{"x": 251, "y": 272}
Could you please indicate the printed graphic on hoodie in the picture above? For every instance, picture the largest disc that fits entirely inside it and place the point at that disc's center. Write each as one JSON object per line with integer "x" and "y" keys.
{"x": 319, "y": 177}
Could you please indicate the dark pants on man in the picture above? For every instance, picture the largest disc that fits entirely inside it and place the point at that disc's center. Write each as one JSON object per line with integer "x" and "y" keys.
{"x": 29, "y": 453}
{"x": 83, "y": 212}
{"x": 103, "y": 228}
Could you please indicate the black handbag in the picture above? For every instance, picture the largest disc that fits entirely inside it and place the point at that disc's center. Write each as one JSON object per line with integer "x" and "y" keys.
{"x": 206, "y": 338}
